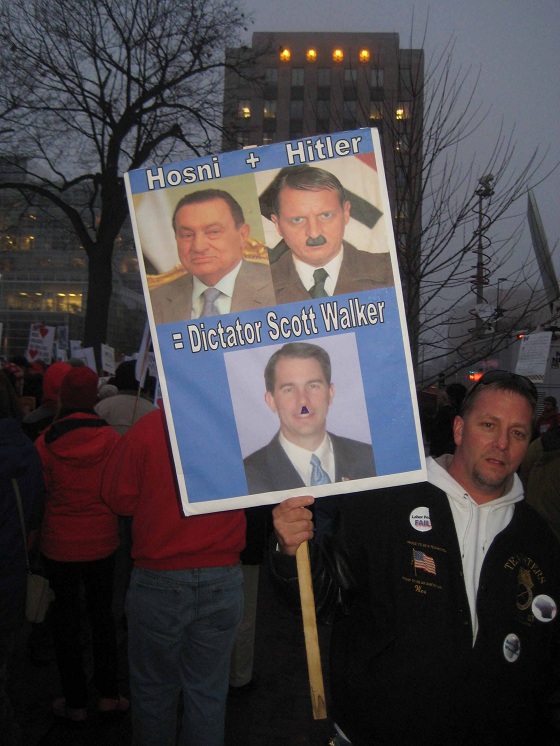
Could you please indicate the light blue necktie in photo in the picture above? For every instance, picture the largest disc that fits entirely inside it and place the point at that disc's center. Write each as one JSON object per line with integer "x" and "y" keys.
{"x": 210, "y": 296}
{"x": 318, "y": 474}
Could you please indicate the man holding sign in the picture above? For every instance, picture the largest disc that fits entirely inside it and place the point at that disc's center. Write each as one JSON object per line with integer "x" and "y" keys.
{"x": 448, "y": 631}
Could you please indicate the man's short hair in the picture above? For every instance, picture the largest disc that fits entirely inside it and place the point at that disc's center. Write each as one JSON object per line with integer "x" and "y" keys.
{"x": 298, "y": 350}
{"x": 205, "y": 195}
{"x": 515, "y": 383}
{"x": 550, "y": 399}
{"x": 306, "y": 178}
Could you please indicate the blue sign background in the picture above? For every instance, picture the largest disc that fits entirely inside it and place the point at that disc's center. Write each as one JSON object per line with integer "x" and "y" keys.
{"x": 203, "y": 413}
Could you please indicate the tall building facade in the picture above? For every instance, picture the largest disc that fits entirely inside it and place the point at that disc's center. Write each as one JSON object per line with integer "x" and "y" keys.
{"x": 292, "y": 85}
{"x": 43, "y": 277}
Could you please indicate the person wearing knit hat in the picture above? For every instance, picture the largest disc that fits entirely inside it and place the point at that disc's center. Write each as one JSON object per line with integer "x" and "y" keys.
{"x": 123, "y": 410}
{"x": 39, "y": 419}
{"x": 79, "y": 389}
{"x": 79, "y": 539}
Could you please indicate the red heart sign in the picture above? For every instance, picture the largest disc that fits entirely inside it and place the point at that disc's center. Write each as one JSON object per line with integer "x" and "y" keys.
{"x": 43, "y": 331}
{"x": 33, "y": 353}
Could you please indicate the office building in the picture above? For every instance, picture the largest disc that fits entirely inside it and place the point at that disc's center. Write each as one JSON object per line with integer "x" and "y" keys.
{"x": 44, "y": 276}
{"x": 292, "y": 85}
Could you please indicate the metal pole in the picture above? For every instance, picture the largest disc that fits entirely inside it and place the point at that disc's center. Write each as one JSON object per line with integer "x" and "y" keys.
{"x": 484, "y": 191}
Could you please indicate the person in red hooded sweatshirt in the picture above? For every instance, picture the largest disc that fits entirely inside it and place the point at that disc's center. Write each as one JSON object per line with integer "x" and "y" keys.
{"x": 79, "y": 538}
{"x": 39, "y": 419}
{"x": 185, "y": 599}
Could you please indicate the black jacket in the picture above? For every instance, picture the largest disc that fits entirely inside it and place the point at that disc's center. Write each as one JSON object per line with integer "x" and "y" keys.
{"x": 403, "y": 667}
{"x": 18, "y": 459}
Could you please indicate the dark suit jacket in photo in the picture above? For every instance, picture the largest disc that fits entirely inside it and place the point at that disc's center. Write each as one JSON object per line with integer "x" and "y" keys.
{"x": 253, "y": 289}
{"x": 360, "y": 270}
{"x": 269, "y": 469}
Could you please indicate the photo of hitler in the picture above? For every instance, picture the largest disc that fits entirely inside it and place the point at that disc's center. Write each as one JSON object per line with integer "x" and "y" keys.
{"x": 215, "y": 274}
{"x": 310, "y": 210}
{"x": 299, "y": 390}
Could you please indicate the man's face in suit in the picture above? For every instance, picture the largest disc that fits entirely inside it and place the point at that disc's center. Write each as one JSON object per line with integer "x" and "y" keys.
{"x": 209, "y": 243}
{"x": 312, "y": 223}
{"x": 301, "y": 399}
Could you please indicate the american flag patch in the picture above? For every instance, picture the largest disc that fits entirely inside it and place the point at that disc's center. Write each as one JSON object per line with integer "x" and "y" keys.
{"x": 423, "y": 562}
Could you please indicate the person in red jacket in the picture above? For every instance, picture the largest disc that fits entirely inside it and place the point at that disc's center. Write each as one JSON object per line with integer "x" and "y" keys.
{"x": 550, "y": 416}
{"x": 185, "y": 598}
{"x": 79, "y": 538}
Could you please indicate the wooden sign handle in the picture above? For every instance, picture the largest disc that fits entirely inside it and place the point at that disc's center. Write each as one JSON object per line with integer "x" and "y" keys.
{"x": 310, "y": 632}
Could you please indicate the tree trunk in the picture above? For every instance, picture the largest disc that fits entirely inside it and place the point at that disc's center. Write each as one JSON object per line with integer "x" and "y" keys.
{"x": 100, "y": 287}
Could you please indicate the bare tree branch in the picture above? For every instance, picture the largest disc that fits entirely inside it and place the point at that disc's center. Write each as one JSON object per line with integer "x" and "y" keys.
{"x": 92, "y": 89}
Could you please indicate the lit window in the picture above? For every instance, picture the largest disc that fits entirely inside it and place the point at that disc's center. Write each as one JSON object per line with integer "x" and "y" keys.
{"x": 364, "y": 55}
{"x": 402, "y": 112}
{"x": 337, "y": 55}
{"x": 269, "y": 109}
{"x": 402, "y": 143}
{"x": 285, "y": 54}
{"x": 311, "y": 55}
{"x": 244, "y": 109}
{"x": 375, "y": 111}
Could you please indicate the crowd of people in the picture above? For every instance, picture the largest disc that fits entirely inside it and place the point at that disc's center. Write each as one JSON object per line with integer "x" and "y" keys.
{"x": 82, "y": 458}
{"x": 443, "y": 595}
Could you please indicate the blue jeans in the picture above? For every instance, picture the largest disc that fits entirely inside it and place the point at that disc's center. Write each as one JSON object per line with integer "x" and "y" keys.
{"x": 181, "y": 628}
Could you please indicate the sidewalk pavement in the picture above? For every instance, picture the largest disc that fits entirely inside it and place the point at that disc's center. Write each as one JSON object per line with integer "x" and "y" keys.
{"x": 277, "y": 712}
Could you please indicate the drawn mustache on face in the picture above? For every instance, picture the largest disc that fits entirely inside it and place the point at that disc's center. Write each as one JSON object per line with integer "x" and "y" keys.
{"x": 319, "y": 241}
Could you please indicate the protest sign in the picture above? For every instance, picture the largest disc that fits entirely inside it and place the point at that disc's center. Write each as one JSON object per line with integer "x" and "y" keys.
{"x": 212, "y": 352}
{"x": 108, "y": 359}
{"x": 62, "y": 342}
{"x": 87, "y": 355}
{"x": 75, "y": 347}
{"x": 533, "y": 356}
{"x": 41, "y": 341}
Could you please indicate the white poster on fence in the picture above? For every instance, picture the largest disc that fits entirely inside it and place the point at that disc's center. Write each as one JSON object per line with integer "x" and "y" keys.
{"x": 533, "y": 356}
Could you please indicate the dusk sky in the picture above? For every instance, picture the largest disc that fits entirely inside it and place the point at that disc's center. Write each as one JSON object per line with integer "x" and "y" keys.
{"x": 514, "y": 44}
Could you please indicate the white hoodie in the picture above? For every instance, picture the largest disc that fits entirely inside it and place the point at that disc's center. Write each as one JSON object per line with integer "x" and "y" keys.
{"x": 476, "y": 525}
